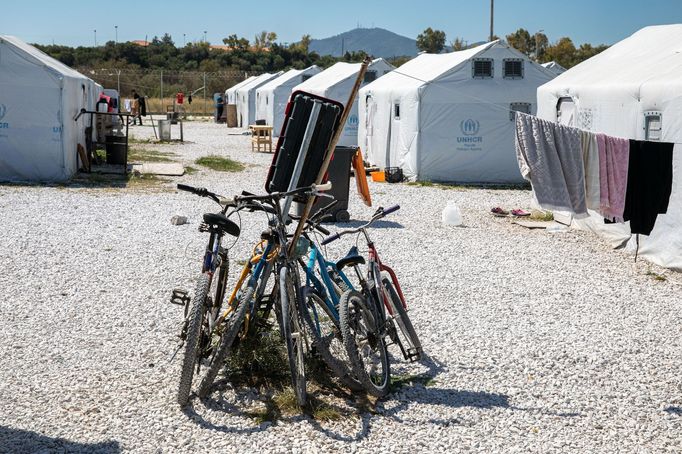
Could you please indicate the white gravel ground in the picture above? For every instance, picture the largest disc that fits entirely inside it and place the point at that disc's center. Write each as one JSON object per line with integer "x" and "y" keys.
{"x": 537, "y": 342}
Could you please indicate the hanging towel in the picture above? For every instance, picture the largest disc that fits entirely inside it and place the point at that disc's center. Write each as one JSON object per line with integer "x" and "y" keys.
{"x": 613, "y": 175}
{"x": 590, "y": 149}
{"x": 549, "y": 156}
{"x": 650, "y": 179}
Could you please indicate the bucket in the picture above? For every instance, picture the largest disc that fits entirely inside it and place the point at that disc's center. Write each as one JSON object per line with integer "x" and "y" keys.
{"x": 165, "y": 130}
{"x": 115, "y": 147}
{"x": 378, "y": 176}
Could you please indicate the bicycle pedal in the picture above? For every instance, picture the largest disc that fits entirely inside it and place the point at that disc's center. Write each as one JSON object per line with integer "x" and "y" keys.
{"x": 180, "y": 297}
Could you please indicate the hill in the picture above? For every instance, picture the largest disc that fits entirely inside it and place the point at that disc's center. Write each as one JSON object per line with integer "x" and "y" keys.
{"x": 377, "y": 42}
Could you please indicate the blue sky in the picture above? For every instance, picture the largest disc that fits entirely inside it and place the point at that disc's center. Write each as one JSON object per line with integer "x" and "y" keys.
{"x": 72, "y": 22}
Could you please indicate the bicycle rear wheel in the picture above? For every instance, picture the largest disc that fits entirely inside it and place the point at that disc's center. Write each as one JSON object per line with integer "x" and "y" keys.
{"x": 408, "y": 340}
{"x": 293, "y": 332}
{"x": 364, "y": 343}
{"x": 327, "y": 339}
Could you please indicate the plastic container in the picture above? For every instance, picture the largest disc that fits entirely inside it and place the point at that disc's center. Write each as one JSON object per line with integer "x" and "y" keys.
{"x": 165, "y": 130}
{"x": 115, "y": 147}
{"x": 379, "y": 176}
{"x": 451, "y": 214}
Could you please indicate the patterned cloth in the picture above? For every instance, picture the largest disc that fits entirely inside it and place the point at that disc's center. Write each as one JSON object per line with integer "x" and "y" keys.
{"x": 550, "y": 157}
{"x": 613, "y": 175}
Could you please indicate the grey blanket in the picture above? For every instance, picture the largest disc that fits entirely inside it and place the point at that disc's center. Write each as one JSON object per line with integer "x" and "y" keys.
{"x": 550, "y": 157}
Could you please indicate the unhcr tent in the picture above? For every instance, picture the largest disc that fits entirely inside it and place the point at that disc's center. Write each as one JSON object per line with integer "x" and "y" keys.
{"x": 555, "y": 67}
{"x": 272, "y": 98}
{"x": 246, "y": 99}
{"x": 231, "y": 93}
{"x": 336, "y": 82}
{"x": 634, "y": 90}
{"x": 39, "y": 98}
{"x": 448, "y": 117}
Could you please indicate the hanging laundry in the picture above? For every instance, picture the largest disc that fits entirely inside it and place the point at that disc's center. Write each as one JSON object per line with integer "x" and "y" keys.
{"x": 613, "y": 175}
{"x": 550, "y": 157}
{"x": 590, "y": 151}
{"x": 649, "y": 184}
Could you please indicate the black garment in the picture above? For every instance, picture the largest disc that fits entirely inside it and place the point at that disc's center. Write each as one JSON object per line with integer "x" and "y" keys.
{"x": 650, "y": 179}
{"x": 143, "y": 107}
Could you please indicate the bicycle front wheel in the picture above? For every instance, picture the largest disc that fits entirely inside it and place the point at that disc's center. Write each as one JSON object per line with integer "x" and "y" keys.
{"x": 364, "y": 342}
{"x": 293, "y": 333}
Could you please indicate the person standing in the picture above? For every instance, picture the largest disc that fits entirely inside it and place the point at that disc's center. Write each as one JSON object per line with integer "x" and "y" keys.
{"x": 135, "y": 109}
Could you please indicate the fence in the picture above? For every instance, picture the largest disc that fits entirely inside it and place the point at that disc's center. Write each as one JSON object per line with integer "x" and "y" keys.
{"x": 160, "y": 86}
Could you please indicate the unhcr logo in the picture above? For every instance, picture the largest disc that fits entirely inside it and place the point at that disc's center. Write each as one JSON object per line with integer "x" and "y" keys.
{"x": 353, "y": 120}
{"x": 3, "y": 111}
{"x": 469, "y": 127}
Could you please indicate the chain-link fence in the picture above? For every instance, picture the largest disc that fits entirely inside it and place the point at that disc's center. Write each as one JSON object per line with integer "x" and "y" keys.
{"x": 161, "y": 86}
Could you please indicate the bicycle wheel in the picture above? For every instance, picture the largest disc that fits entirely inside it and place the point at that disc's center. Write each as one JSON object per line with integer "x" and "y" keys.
{"x": 364, "y": 343}
{"x": 293, "y": 333}
{"x": 409, "y": 342}
{"x": 196, "y": 320}
{"x": 230, "y": 328}
{"x": 326, "y": 338}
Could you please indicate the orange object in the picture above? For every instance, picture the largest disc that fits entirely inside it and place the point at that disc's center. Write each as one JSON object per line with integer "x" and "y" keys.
{"x": 361, "y": 178}
{"x": 379, "y": 176}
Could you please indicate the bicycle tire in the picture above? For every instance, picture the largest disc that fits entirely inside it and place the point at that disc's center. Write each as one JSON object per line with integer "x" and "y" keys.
{"x": 293, "y": 335}
{"x": 192, "y": 340}
{"x": 414, "y": 346}
{"x": 327, "y": 339}
{"x": 232, "y": 326}
{"x": 358, "y": 321}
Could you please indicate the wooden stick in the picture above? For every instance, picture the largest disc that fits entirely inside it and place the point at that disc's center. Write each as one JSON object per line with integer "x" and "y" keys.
{"x": 330, "y": 151}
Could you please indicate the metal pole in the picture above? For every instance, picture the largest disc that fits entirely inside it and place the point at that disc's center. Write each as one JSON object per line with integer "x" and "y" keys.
{"x": 204, "y": 93}
{"x": 162, "y": 91}
{"x": 116, "y": 27}
{"x": 95, "y": 38}
{"x": 330, "y": 149}
{"x": 492, "y": 10}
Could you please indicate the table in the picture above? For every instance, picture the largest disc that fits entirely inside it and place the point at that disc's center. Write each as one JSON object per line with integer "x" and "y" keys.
{"x": 261, "y": 135}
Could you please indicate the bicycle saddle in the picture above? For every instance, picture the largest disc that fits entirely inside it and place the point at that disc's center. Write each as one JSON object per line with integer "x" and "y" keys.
{"x": 352, "y": 258}
{"x": 220, "y": 220}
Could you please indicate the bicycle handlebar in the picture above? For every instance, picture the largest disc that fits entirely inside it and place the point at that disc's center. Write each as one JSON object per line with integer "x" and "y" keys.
{"x": 381, "y": 212}
{"x": 201, "y": 192}
{"x": 313, "y": 189}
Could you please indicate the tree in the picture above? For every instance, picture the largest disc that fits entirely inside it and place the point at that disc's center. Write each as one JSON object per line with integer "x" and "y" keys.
{"x": 265, "y": 39}
{"x": 562, "y": 52}
{"x": 521, "y": 41}
{"x": 431, "y": 41}
{"x": 236, "y": 43}
{"x": 458, "y": 44}
{"x": 541, "y": 43}
{"x": 586, "y": 51}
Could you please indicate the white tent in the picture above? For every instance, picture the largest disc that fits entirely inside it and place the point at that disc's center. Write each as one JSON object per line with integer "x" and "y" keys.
{"x": 39, "y": 98}
{"x": 632, "y": 89}
{"x": 336, "y": 82}
{"x": 246, "y": 99}
{"x": 447, "y": 117}
{"x": 272, "y": 98}
{"x": 555, "y": 67}
{"x": 231, "y": 93}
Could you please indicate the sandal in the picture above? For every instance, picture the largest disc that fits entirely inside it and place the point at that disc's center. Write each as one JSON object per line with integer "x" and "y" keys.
{"x": 520, "y": 213}
{"x": 501, "y": 212}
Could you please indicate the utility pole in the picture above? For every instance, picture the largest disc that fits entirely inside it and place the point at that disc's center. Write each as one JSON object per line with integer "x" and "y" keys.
{"x": 204, "y": 93}
{"x": 204, "y": 35}
{"x": 184, "y": 43}
{"x": 162, "y": 91}
{"x": 95, "y": 37}
{"x": 492, "y": 13}
{"x": 537, "y": 46}
{"x": 116, "y": 27}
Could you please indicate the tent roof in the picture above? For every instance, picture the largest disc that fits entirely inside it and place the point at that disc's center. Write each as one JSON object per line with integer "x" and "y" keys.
{"x": 336, "y": 73}
{"x": 286, "y": 77}
{"x": 256, "y": 82}
{"x": 241, "y": 84}
{"x": 40, "y": 57}
{"x": 651, "y": 55}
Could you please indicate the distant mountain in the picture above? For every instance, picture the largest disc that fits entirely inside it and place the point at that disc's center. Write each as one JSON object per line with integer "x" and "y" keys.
{"x": 377, "y": 42}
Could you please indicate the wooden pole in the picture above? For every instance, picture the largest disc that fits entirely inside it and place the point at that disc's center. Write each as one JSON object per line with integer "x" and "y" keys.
{"x": 330, "y": 150}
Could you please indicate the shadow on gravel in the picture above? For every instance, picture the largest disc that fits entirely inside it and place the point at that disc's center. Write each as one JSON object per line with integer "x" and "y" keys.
{"x": 674, "y": 411}
{"x": 23, "y": 441}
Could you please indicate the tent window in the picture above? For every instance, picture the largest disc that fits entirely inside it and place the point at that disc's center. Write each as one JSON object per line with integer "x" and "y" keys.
{"x": 513, "y": 68}
{"x": 370, "y": 76}
{"x": 518, "y": 107}
{"x": 653, "y": 126}
{"x": 305, "y": 77}
{"x": 396, "y": 111}
{"x": 482, "y": 68}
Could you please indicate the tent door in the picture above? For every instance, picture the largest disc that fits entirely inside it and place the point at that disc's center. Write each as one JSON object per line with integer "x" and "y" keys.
{"x": 566, "y": 111}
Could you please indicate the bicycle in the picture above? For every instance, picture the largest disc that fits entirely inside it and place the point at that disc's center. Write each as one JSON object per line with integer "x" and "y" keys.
{"x": 285, "y": 291}
{"x": 200, "y": 319}
{"x": 381, "y": 285}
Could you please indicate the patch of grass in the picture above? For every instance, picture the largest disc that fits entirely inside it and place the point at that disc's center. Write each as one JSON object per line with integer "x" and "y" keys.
{"x": 399, "y": 381}
{"x": 656, "y": 276}
{"x": 220, "y": 164}
{"x": 538, "y": 215}
{"x": 145, "y": 155}
{"x": 322, "y": 411}
{"x": 189, "y": 170}
{"x": 424, "y": 184}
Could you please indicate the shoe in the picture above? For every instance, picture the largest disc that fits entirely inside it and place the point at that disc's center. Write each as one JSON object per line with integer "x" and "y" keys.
{"x": 500, "y": 212}
{"x": 520, "y": 213}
